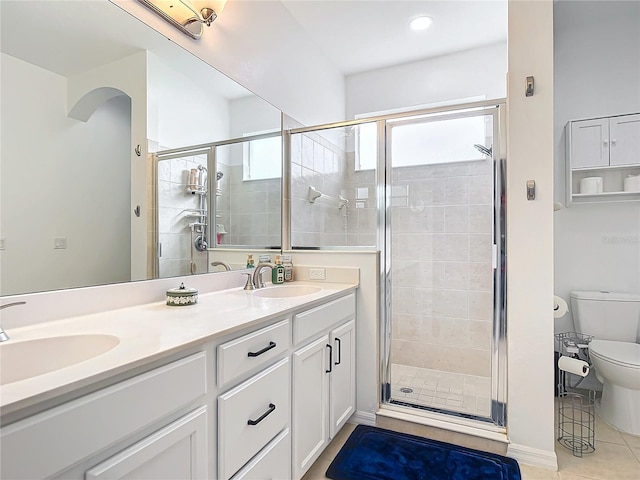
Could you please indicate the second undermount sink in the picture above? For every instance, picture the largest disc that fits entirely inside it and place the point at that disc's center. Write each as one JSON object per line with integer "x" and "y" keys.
{"x": 30, "y": 358}
{"x": 286, "y": 291}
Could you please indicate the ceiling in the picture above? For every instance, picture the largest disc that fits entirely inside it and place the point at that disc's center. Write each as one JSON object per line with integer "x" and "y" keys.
{"x": 361, "y": 35}
{"x": 355, "y": 35}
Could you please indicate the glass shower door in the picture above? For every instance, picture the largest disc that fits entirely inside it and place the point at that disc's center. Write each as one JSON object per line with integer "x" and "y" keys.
{"x": 441, "y": 257}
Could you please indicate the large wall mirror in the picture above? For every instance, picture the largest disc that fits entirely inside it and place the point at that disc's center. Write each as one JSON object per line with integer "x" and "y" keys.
{"x": 88, "y": 96}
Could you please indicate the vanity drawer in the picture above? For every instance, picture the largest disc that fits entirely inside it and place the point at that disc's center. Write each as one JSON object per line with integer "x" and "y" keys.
{"x": 274, "y": 462}
{"x": 251, "y": 415}
{"x": 248, "y": 352}
{"x": 316, "y": 320}
{"x": 64, "y": 435}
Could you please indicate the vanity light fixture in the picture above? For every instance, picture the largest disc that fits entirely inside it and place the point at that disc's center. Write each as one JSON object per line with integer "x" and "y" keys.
{"x": 420, "y": 23}
{"x": 188, "y": 16}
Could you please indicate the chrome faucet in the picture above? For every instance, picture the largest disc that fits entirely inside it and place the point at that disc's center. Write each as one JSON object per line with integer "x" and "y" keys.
{"x": 226, "y": 266}
{"x": 3, "y": 336}
{"x": 257, "y": 274}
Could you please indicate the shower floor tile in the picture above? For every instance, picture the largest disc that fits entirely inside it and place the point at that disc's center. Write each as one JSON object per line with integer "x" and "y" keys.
{"x": 462, "y": 393}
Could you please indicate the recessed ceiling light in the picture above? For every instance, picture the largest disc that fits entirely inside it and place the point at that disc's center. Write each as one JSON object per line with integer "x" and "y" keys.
{"x": 420, "y": 23}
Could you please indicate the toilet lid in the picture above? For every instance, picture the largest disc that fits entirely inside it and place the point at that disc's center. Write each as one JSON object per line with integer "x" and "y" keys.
{"x": 622, "y": 353}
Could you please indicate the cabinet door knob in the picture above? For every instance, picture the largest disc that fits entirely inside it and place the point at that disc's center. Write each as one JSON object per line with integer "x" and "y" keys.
{"x": 613, "y": 141}
{"x": 606, "y": 142}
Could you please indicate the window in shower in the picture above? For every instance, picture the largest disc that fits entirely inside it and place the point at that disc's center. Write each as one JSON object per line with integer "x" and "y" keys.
{"x": 262, "y": 158}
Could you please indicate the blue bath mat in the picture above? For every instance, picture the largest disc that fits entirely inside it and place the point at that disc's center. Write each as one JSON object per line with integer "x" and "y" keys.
{"x": 372, "y": 453}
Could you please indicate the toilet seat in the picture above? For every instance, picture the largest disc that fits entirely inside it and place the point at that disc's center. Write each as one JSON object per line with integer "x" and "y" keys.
{"x": 625, "y": 354}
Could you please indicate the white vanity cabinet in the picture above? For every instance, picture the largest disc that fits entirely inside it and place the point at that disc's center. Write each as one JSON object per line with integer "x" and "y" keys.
{"x": 259, "y": 401}
{"x": 323, "y": 378}
{"x": 253, "y": 415}
{"x": 607, "y": 147}
{"x": 49, "y": 443}
{"x": 176, "y": 452}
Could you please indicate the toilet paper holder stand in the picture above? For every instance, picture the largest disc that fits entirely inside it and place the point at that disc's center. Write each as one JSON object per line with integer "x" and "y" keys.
{"x": 576, "y": 411}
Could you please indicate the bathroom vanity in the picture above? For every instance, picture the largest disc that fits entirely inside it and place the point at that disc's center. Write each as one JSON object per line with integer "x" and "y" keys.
{"x": 245, "y": 384}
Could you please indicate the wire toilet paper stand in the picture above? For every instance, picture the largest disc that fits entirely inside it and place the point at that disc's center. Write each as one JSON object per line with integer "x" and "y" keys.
{"x": 576, "y": 411}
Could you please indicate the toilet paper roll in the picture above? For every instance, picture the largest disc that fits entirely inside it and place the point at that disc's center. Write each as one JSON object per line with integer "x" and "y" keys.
{"x": 560, "y": 307}
{"x": 591, "y": 185}
{"x": 573, "y": 365}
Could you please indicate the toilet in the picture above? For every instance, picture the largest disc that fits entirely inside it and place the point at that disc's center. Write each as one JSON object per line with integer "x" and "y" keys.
{"x": 613, "y": 319}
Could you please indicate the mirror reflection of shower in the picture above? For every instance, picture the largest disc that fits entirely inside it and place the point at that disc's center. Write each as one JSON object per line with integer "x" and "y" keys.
{"x": 198, "y": 186}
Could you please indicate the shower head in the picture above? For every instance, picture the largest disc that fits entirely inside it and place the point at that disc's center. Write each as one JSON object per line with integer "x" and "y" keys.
{"x": 484, "y": 150}
{"x": 219, "y": 175}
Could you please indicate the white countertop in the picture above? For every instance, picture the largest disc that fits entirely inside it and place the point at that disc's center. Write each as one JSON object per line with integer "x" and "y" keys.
{"x": 149, "y": 332}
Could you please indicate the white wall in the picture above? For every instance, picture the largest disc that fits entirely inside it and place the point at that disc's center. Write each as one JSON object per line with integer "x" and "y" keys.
{"x": 180, "y": 112}
{"x": 129, "y": 75}
{"x": 530, "y": 410}
{"x": 61, "y": 177}
{"x": 252, "y": 114}
{"x": 257, "y": 44}
{"x": 597, "y": 73}
{"x": 478, "y": 72}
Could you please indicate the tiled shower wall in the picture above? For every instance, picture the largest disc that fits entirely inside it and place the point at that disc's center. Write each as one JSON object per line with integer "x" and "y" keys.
{"x": 254, "y": 209}
{"x": 318, "y": 162}
{"x": 174, "y": 203}
{"x": 442, "y": 276}
{"x": 249, "y": 210}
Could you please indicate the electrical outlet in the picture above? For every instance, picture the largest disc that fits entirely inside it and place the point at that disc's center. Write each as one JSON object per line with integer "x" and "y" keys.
{"x": 316, "y": 274}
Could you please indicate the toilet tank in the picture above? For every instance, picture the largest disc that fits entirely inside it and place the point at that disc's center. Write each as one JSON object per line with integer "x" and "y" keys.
{"x": 606, "y": 315}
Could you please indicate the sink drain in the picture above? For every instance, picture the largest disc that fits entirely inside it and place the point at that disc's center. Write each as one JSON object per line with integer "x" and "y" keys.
{"x": 406, "y": 390}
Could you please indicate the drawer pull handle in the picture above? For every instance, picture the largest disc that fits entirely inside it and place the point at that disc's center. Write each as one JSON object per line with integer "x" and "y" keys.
{"x": 260, "y": 352}
{"x": 330, "y": 359}
{"x": 272, "y": 407}
{"x": 339, "y": 352}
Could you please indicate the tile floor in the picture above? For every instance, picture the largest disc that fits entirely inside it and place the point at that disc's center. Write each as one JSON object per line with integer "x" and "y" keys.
{"x": 433, "y": 388}
{"x": 617, "y": 457}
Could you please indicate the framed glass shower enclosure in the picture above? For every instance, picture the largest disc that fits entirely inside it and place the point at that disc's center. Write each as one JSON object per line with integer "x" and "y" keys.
{"x": 443, "y": 334}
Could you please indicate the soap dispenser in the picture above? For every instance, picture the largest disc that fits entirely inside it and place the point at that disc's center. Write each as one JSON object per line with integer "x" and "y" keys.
{"x": 277, "y": 272}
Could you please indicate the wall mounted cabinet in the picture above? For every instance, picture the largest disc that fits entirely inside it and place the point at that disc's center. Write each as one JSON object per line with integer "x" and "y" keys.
{"x": 607, "y": 147}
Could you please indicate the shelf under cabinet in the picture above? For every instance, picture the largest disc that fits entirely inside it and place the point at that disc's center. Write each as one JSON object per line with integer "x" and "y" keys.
{"x": 605, "y": 194}
{"x": 607, "y": 168}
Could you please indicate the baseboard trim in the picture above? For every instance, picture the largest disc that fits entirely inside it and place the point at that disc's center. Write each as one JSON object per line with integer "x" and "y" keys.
{"x": 363, "y": 418}
{"x": 533, "y": 456}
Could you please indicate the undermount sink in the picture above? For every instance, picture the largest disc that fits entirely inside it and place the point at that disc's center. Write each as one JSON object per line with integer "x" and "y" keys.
{"x": 30, "y": 358}
{"x": 287, "y": 291}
